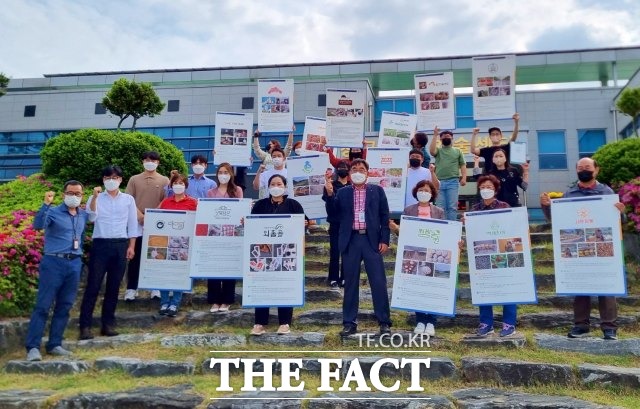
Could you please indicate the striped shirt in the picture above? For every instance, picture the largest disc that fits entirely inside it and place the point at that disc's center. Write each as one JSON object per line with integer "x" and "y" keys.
{"x": 359, "y": 198}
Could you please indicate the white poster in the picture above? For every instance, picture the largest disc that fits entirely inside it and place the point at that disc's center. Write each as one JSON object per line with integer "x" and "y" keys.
{"x": 314, "y": 137}
{"x": 388, "y": 168}
{"x": 499, "y": 252}
{"x": 167, "y": 245}
{"x": 232, "y": 143}
{"x": 426, "y": 266}
{"x": 435, "y": 103}
{"x": 587, "y": 246}
{"x": 345, "y": 117}
{"x": 517, "y": 152}
{"x": 494, "y": 86}
{"x": 396, "y": 129}
{"x": 305, "y": 182}
{"x": 275, "y": 113}
{"x": 273, "y": 261}
{"x": 219, "y": 238}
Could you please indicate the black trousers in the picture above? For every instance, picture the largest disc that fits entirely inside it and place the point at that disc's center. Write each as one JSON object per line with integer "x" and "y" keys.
{"x": 285, "y": 315}
{"x": 335, "y": 270}
{"x": 133, "y": 270}
{"x": 221, "y": 291}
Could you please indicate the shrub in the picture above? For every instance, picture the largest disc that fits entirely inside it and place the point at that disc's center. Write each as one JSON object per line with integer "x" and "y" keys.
{"x": 619, "y": 161}
{"x": 82, "y": 154}
{"x": 630, "y": 196}
{"x": 25, "y": 193}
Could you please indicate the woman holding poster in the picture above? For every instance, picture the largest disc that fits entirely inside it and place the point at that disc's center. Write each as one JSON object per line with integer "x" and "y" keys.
{"x": 276, "y": 203}
{"x": 221, "y": 293}
{"x": 425, "y": 193}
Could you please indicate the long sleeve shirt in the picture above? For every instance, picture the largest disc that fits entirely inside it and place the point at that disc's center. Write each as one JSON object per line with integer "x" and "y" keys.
{"x": 61, "y": 228}
{"x": 115, "y": 217}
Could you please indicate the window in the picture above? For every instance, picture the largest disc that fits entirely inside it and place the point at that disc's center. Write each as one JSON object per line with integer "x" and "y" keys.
{"x": 29, "y": 110}
{"x": 552, "y": 150}
{"x": 322, "y": 100}
{"x": 589, "y": 140}
{"x": 464, "y": 112}
{"x": 100, "y": 109}
{"x": 173, "y": 105}
{"x": 247, "y": 103}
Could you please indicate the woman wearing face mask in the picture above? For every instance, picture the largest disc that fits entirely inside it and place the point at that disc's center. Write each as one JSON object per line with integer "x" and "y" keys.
{"x": 179, "y": 201}
{"x": 341, "y": 180}
{"x": 276, "y": 203}
{"x": 265, "y": 156}
{"x": 425, "y": 193}
{"x": 488, "y": 186}
{"x": 509, "y": 177}
{"x": 221, "y": 293}
{"x": 354, "y": 153}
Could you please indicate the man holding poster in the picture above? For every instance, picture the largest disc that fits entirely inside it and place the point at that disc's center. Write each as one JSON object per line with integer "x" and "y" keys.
{"x": 587, "y": 170}
{"x": 495, "y": 135}
{"x": 451, "y": 170}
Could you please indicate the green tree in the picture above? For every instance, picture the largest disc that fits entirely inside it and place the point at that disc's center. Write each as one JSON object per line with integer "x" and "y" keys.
{"x": 4, "y": 82}
{"x": 629, "y": 104}
{"x": 132, "y": 99}
{"x": 619, "y": 161}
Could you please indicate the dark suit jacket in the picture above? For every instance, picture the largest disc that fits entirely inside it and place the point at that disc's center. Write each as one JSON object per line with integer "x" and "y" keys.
{"x": 376, "y": 215}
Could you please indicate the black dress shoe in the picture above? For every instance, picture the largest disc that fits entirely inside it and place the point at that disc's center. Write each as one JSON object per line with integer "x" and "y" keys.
{"x": 85, "y": 333}
{"x": 349, "y": 329}
{"x": 109, "y": 332}
{"x": 385, "y": 329}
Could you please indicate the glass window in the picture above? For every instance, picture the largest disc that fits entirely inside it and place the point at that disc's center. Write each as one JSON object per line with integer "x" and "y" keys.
{"x": 201, "y": 143}
{"x": 182, "y": 144}
{"x": 182, "y": 132}
{"x": 552, "y": 150}
{"x": 201, "y": 131}
{"x": 406, "y": 105}
{"x": 162, "y": 132}
{"x": 173, "y": 105}
{"x": 29, "y": 110}
{"x": 99, "y": 109}
{"x": 247, "y": 103}
{"x": 589, "y": 140}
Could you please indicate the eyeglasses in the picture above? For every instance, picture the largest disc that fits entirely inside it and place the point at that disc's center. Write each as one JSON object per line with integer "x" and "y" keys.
{"x": 76, "y": 194}
{"x": 111, "y": 177}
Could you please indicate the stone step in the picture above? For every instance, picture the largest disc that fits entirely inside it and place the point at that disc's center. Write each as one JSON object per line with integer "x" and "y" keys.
{"x": 516, "y": 373}
{"x": 137, "y": 367}
{"x": 589, "y": 345}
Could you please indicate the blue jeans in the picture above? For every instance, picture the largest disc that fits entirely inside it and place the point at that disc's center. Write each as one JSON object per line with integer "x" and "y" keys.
{"x": 426, "y": 318}
{"x": 509, "y": 313}
{"x": 174, "y": 300}
{"x": 448, "y": 197}
{"x": 58, "y": 283}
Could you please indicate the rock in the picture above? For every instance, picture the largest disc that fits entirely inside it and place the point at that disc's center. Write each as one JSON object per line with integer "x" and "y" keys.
{"x": 17, "y": 399}
{"x": 589, "y": 345}
{"x": 516, "y": 340}
{"x": 251, "y": 400}
{"x": 463, "y": 293}
{"x": 209, "y": 340}
{"x": 610, "y": 376}
{"x": 463, "y": 318}
{"x": 112, "y": 342}
{"x": 515, "y": 373}
{"x": 240, "y": 318}
{"x": 397, "y": 339}
{"x": 555, "y": 319}
{"x": 123, "y": 319}
{"x": 298, "y": 339}
{"x": 12, "y": 334}
{"x": 138, "y": 367}
{"x": 314, "y": 295}
{"x": 379, "y": 400}
{"x": 439, "y": 368}
{"x": 486, "y": 398}
{"x": 177, "y": 397}
{"x": 49, "y": 367}
{"x": 331, "y": 316}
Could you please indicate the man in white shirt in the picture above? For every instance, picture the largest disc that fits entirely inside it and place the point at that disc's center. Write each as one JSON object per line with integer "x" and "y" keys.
{"x": 416, "y": 173}
{"x": 261, "y": 179}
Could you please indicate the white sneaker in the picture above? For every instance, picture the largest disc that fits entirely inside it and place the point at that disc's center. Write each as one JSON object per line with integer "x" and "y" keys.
{"x": 419, "y": 329}
{"x": 130, "y": 295}
{"x": 155, "y": 294}
{"x": 430, "y": 330}
{"x": 34, "y": 355}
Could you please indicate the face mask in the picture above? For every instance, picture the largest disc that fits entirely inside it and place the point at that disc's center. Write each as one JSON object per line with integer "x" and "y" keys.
{"x": 343, "y": 173}
{"x": 278, "y": 161}
{"x": 414, "y": 163}
{"x": 198, "y": 169}
{"x": 423, "y": 197}
{"x": 487, "y": 193}
{"x": 178, "y": 189}
{"x": 150, "y": 166}
{"x": 111, "y": 184}
{"x": 358, "y": 178}
{"x": 72, "y": 201}
{"x": 585, "y": 176}
{"x": 446, "y": 141}
{"x": 224, "y": 178}
{"x": 299, "y": 152}
{"x": 276, "y": 191}
{"x": 499, "y": 161}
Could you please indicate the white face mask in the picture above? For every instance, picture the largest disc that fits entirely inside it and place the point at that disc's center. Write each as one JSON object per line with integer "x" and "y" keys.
{"x": 299, "y": 152}
{"x": 111, "y": 184}
{"x": 423, "y": 197}
{"x": 487, "y": 193}
{"x": 224, "y": 178}
{"x": 277, "y": 161}
{"x": 198, "y": 169}
{"x": 276, "y": 191}
{"x": 178, "y": 189}
{"x": 358, "y": 178}
{"x": 499, "y": 161}
{"x": 72, "y": 201}
{"x": 150, "y": 166}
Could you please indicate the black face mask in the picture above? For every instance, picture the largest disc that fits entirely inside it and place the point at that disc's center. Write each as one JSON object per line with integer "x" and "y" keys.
{"x": 446, "y": 141}
{"x": 585, "y": 176}
{"x": 343, "y": 173}
{"x": 414, "y": 163}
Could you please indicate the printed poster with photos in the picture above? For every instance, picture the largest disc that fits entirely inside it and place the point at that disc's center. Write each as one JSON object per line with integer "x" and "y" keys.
{"x": 273, "y": 262}
{"x": 499, "y": 249}
{"x": 305, "y": 182}
{"x": 435, "y": 104}
{"x": 275, "y": 98}
{"x": 396, "y": 129}
{"x": 587, "y": 246}
{"x": 314, "y": 137}
{"x": 427, "y": 266}
{"x": 219, "y": 238}
{"x": 167, "y": 244}
{"x": 232, "y": 138}
{"x": 345, "y": 117}
{"x": 494, "y": 86}
{"x": 388, "y": 168}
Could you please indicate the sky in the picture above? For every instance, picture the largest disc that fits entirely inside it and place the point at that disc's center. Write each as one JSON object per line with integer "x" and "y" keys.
{"x": 74, "y": 36}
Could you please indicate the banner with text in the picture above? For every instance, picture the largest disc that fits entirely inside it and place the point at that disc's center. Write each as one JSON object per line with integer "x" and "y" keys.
{"x": 305, "y": 182}
{"x": 396, "y": 129}
{"x": 494, "y": 87}
{"x": 388, "y": 168}
{"x": 345, "y": 117}
{"x": 435, "y": 103}
{"x": 314, "y": 137}
{"x": 275, "y": 99}
{"x": 232, "y": 138}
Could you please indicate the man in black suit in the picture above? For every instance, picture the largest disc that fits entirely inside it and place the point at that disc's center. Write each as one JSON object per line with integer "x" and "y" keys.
{"x": 364, "y": 232}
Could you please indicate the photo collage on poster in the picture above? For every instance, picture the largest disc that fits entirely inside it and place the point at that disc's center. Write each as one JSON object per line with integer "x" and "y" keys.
{"x": 386, "y": 178}
{"x": 308, "y": 185}
{"x": 275, "y": 105}
{"x": 433, "y": 100}
{"x": 315, "y": 143}
{"x": 426, "y": 262}
{"x": 345, "y": 112}
{"x": 227, "y": 230}
{"x": 493, "y": 86}
{"x": 273, "y": 257}
{"x": 396, "y": 137}
{"x": 500, "y": 253}
{"x": 230, "y": 136}
{"x": 591, "y": 242}
{"x": 168, "y": 248}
